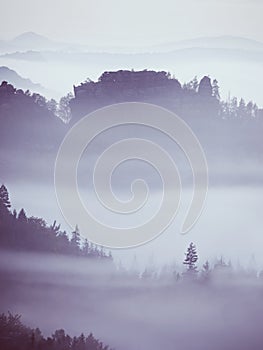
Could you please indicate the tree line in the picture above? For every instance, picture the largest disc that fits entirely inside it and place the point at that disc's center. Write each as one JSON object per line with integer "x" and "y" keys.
{"x": 14, "y": 335}
{"x": 17, "y": 231}
{"x": 221, "y": 271}
{"x": 10, "y": 96}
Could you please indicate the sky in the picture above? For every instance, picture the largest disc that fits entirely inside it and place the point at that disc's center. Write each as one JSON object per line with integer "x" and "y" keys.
{"x": 131, "y": 23}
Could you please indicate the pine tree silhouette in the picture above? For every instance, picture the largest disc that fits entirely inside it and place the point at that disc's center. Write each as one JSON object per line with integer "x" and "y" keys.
{"x": 5, "y": 204}
{"x": 191, "y": 258}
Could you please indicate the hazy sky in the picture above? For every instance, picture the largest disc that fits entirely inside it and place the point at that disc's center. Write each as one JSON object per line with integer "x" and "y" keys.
{"x": 134, "y": 22}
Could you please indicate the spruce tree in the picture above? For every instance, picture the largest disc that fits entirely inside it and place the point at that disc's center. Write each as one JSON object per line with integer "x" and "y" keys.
{"x": 191, "y": 258}
{"x": 22, "y": 216}
{"x": 215, "y": 89}
{"x": 205, "y": 274}
{"x": 75, "y": 240}
{"x": 86, "y": 247}
{"x": 5, "y": 204}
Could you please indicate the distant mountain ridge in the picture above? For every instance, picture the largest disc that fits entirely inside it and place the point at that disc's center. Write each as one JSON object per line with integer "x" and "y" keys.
{"x": 220, "y": 42}
{"x": 29, "y": 41}
{"x": 31, "y": 37}
{"x": 235, "y": 61}
{"x": 32, "y": 41}
{"x": 183, "y": 54}
{"x": 11, "y": 76}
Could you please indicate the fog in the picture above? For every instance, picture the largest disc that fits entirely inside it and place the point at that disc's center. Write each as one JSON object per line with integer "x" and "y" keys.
{"x": 230, "y": 224}
{"x": 236, "y": 210}
{"x": 225, "y": 65}
{"x": 130, "y": 313}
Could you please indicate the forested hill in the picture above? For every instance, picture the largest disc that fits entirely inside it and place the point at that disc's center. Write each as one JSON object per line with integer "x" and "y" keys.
{"x": 230, "y": 131}
{"x": 28, "y": 120}
{"x": 21, "y": 233}
{"x": 32, "y": 128}
{"x": 14, "y": 335}
{"x": 192, "y": 99}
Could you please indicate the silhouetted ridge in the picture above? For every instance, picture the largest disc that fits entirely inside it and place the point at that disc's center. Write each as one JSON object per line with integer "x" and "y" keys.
{"x": 27, "y": 120}
{"x": 14, "y": 335}
{"x": 19, "y": 232}
{"x": 124, "y": 85}
{"x": 7, "y": 74}
{"x": 190, "y": 100}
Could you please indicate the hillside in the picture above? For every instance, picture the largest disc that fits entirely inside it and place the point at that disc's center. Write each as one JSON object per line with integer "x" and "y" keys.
{"x": 7, "y": 74}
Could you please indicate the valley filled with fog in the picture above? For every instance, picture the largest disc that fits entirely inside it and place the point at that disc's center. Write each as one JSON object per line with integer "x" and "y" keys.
{"x": 130, "y": 312}
{"x": 166, "y": 293}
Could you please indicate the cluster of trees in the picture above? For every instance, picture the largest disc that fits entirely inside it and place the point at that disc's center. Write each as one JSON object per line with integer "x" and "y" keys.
{"x": 191, "y": 258}
{"x": 219, "y": 271}
{"x": 14, "y": 335}
{"x": 232, "y": 108}
{"x": 10, "y": 97}
{"x": 238, "y": 109}
{"x": 17, "y": 231}
{"x": 28, "y": 121}
{"x": 207, "y": 92}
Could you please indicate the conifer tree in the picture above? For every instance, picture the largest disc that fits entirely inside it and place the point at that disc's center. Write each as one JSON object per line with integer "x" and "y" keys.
{"x": 206, "y": 271}
{"x": 5, "y": 204}
{"x": 215, "y": 89}
{"x": 191, "y": 258}
{"x": 22, "y": 216}
{"x": 75, "y": 239}
{"x": 86, "y": 247}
